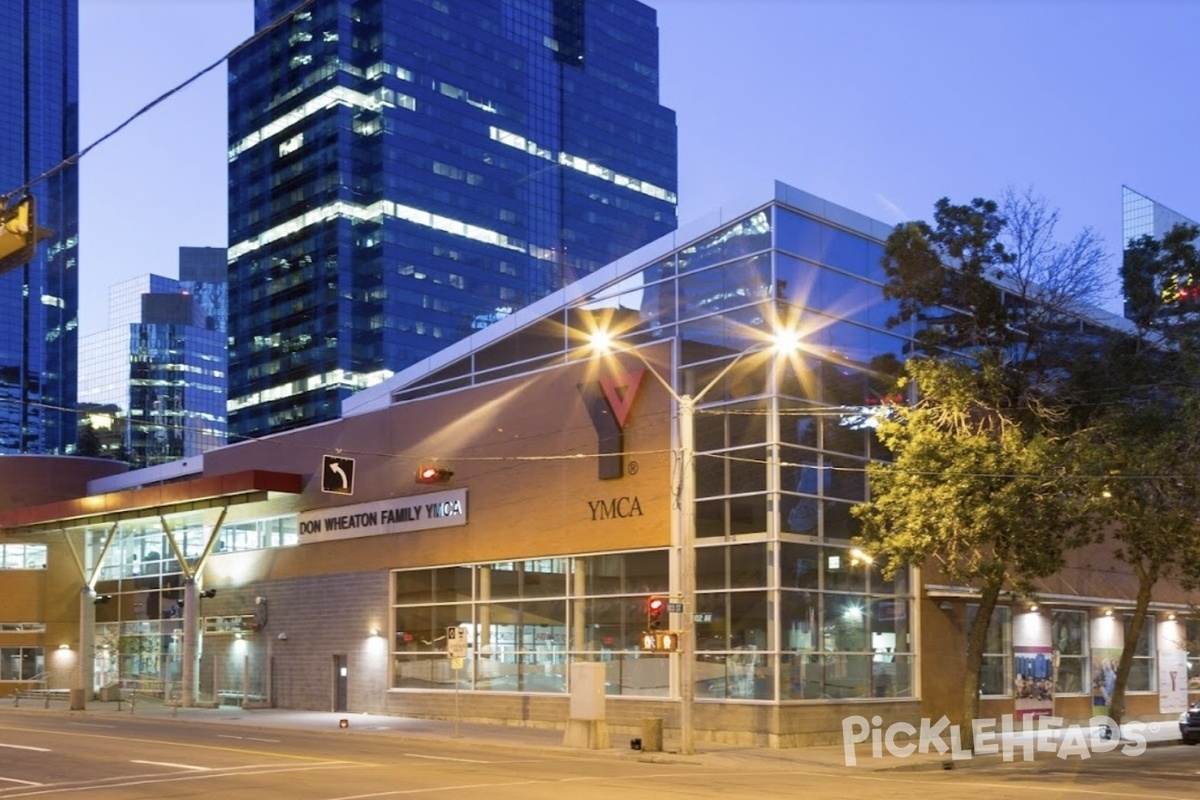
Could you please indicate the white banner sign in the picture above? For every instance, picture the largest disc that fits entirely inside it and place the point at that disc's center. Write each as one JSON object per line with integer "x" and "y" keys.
{"x": 398, "y": 515}
{"x": 1172, "y": 681}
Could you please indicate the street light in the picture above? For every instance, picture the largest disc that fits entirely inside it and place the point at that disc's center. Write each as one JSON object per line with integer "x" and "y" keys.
{"x": 784, "y": 340}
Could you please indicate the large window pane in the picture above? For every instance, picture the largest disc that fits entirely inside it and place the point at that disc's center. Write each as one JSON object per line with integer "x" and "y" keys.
{"x": 637, "y": 674}
{"x": 1142, "y": 675}
{"x": 721, "y": 427}
{"x": 609, "y": 624}
{"x": 423, "y": 628}
{"x": 745, "y": 236}
{"x": 742, "y": 566}
{"x": 616, "y": 573}
{"x": 1068, "y": 637}
{"x": 742, "y": 674}
{"x": 728, "y": 286}
{"x": 731, "y": 472}
{"x": 996, "y": 674}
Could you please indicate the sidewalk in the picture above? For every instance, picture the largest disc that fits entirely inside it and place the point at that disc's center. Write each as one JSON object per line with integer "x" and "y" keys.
{"x": 876, "y": 753}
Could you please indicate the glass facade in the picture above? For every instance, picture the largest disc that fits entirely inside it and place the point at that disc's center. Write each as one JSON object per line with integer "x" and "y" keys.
{"x": 156, "y": 378}
{"x": 22, "y": 664}
{"x": 22, "y": 556}
{"x": 790, "y": 612}
{"x": 1142, "y": 216}
{"x": 39, "y": 303}
{"x": 140, "y": 593}
{"x": 403, "y": 173}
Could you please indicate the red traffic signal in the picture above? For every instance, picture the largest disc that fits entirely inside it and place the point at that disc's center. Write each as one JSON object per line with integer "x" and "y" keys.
{"x": 655, "y": 606}
{"x": 432, "y": 474}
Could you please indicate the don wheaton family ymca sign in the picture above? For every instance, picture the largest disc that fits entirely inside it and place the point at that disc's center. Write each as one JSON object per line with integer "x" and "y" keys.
{"x": 397, "y": 515}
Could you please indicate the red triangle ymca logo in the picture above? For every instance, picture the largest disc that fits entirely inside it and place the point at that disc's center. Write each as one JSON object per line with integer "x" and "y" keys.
{"x": 620, "y": 391}
{"x": 609, "y": 403}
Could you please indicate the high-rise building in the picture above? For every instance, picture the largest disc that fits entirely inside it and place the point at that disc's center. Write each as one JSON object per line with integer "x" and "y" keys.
{"x": 403, "y": 173}
{"x": 39, "y": 302}
{"x": 156, "y": 375}
{"x": 1142, "y": 216}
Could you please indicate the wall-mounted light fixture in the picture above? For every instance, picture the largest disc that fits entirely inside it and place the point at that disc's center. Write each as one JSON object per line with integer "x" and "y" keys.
{"x": 1033, "y": 606}
{"x": 374, "y": 631}
{"x": 1108, "y": 612}
{"x": 64, "y": 647}
{"x": 1171, "y": 617}
{"x": 101, "y": 599}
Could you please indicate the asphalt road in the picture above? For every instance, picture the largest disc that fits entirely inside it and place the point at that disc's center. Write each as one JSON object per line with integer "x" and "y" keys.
{"x": 55, "y": 755}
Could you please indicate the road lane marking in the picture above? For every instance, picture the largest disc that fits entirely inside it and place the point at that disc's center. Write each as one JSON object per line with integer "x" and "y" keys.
{"x": 448, "y": 758}
{"x": 26, "y": 747}
{"x": 159, "y": 743}
{"x": 18, "y": 780}
{"x": 249, "y": 738}
{"x": 169, "y": 764}
{"x": 435, "y": 790}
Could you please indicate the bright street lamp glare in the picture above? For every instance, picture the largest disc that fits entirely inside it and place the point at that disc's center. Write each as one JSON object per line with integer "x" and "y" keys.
{"x": 601, "y": 341}
{"x": 787, "y": 341}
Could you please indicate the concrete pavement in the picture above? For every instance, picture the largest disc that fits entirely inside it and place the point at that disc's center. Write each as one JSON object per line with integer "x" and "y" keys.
{"x": 879, "y": 750}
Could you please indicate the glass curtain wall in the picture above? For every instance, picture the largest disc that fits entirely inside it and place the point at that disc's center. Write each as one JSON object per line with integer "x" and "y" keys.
{"x": 527, "y": 620}
{"x": 140, "y": 602}
{"x": 788, "y": 612}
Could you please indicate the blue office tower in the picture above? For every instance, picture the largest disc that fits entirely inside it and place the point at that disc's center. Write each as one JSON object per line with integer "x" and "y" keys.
{"x": 39, "y": 303}
{"x": 403, "y": 173}
{"x": 152, "y": 385}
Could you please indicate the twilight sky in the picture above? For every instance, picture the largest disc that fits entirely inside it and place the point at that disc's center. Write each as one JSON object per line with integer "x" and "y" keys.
{"x": 882, "y": 106}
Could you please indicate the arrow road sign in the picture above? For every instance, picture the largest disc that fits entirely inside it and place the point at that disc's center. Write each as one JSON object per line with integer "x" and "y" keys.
{"x": 337, "y": 475}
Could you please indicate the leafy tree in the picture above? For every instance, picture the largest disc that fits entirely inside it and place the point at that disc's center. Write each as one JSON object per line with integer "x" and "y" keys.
{"x": 1161, "y": 282}
{"x": 973, "y": 489}
{"x": 976, "y": 484}
{"x": 1151, "y": 452}
{"x": 1140, "y": 409}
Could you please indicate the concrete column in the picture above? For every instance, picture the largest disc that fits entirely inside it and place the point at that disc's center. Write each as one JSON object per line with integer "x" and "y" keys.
{"x": 579, "y": 615}
{"x": 485, "y": 610}
{"x": 87, "y": 642}
{"x": 191, "y": 640}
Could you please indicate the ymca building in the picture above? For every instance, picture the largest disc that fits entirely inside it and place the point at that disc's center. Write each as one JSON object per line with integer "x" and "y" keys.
{"x": 534, "y": 490}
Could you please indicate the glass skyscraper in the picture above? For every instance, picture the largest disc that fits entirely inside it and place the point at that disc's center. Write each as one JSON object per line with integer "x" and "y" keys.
{"x": 39, "y": 303}
{"x": 157, "y": 373}
{"x": 1143, "y": 216}
{"x": 403, "y": 173}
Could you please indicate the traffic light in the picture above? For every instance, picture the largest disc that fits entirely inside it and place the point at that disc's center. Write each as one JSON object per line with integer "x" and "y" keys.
{"x": 432, "y": 474}
{"x": 19, "y": 234}
{"x": 655, "y": 606}
{"x": 660, "y": 641}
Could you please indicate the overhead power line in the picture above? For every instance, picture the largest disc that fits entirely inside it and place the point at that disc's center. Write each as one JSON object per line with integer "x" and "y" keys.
{"x": 74, "y": 159}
